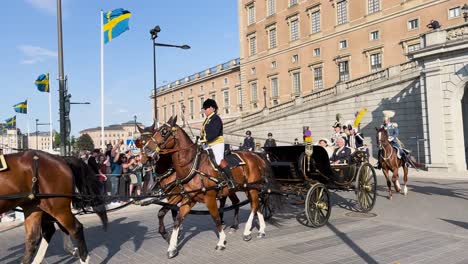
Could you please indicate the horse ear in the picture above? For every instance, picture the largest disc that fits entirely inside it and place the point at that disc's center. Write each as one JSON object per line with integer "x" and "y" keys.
{"x": 376, "y": 129}
{"x": 141, "y": 130}
{"x": 170, "y": 120}
{"x": 174, "y": 121}
{"x": 152, "y": 126}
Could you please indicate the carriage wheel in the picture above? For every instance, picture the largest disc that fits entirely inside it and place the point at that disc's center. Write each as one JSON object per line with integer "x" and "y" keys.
{"x": 317, "y": 205}
{"x": 366, "y": 187}
{"x": 265, "y": 207}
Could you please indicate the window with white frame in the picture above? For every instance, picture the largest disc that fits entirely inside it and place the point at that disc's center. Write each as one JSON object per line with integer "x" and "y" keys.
{"x": 272, "y": 36}
{"x": 318, "y": 78}
{"x": 413, "y": 47}
{"x": 292, "y": 2}
{"x": 181, "y": 107}
{"x": 239, "y": 97}
{"x": 173, "y": 110}
{"x": 271, "y": 6}
{"x": 376, "y": 62}
{"x": 413, "y": 24}
{"x": 374, "y": 35}
{"x": 454, "y": 12}
{"x": 317, "y": 52}
{"x": 253, "y": 91}
{"x": 343, "y": 71}
{"x": 225, "y": 81}
{"x": 342, "y": 12}
{"x": 252, "y": 44}
{"x": 251, "y": 14}
{"x": 315, "y": 21}
{"x": 296, "y": 82}
{"x": 343, "y": 44}
{"x": 294, "y": 29}
{"x": 202, "y": 100}
{"x": 226, "y": 98}
{"x": 373, "y": 6}
{"x": 273, "y": 64}
{"x": 253, "y": 70}
{"x": 165, "y": 113}
{"x": 191, "y": 106}
{"x": 274, "y": 87}
{"x": 295, "y": 58}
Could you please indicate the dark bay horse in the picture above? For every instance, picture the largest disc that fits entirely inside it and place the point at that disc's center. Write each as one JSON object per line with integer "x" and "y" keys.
{"x": 55, "y": 175}
{"x": 389, "y": 161}
{"x": 201, "y": 179}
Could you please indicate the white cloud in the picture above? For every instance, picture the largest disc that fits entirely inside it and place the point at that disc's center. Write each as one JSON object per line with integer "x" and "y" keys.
{"x": 49, "y": 6}
{"x": 35, "y": 54}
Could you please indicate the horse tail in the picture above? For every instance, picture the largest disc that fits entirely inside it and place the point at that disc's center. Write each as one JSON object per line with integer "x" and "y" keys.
{"x": 86, "y": 182}
{"x": 414, "y": 163}
{"x": 275, "y": 200}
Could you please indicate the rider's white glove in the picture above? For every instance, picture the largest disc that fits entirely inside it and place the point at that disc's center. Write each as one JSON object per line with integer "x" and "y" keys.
{"x": 391, "y": 138}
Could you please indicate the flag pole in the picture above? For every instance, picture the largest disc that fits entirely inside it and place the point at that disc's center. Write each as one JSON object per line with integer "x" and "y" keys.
{"x": 50, "y": 120}
{"x": 102, "y": 78}
{"x": 27, "y": 122}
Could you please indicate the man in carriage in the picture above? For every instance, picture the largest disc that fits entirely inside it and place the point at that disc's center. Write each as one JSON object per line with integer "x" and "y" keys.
{"x": 211, "y": 136}
{"x": 341, "y": 153}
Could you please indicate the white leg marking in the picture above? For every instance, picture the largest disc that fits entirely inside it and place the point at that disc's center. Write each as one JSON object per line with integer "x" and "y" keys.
{"x": 173, "y": 242}
{"x": 248, "y": 225}
{"x": 405, "y": 190}
{"x": 41, "y": 252}
{"x": 222, "y": 238}
{"x": 86, "y": 261}
{"x": 261, "y": 221}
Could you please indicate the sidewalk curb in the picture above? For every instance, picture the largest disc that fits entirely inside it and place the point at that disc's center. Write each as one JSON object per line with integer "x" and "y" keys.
{"x": 4, "y": 227}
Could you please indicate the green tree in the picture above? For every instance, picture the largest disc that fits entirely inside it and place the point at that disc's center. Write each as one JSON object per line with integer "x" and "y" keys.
{"x": 84, "y": 142}
{"x": 56, "y": 140}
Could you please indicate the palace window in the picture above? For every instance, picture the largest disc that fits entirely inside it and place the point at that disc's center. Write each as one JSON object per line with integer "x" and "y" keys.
{"x": 292, "y": 2}
{"x": 251, "y": 14}
{"x": 374, "y": 35}
{"x": 226, "y": 98}
{"x": 273, "y": 64}
{"x": 173, "y": 110}
{"x": 373, "y": 6}
{"x": 454, "y": 12}
{"x": 343, "y": 71}
{"x": 315, "y": 21}
{"x": 253, "y": 89}
{"x": 165, "y": 113}
{"x": 318, "y": 79}
{"x": 296, "y": 79}
{"x": 191, "y": 106}
{"x": 295, "y": 58}
{"x": 252, "y": 44}
{"x": 316, "y": 52}
{"x": 274, "y": 87}
{"x": 225, "y": 81}
{"x": 294, "y": 29}
{"x": 376, "y": 62}
{"x": 342, "y": 12}
{"x": 413, "y": 47}
{"x": 202, "y": 99}
{"x": 271, "y": 5}
{"x": 239, "y": 97}
{"x": 413, "y": 24}
{"x": 343, "y": 44}
{"x": 272, "y": 37}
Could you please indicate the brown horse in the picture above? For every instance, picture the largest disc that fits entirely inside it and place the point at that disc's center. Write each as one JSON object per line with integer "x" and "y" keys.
{"x": 389, "y": 160}
{"x": 164, "y": 184}
{"x": 201, "y": 180}
{"x": 31, "y": 174}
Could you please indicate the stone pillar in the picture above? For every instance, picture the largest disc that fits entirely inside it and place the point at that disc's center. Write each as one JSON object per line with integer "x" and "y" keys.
{"x": 435, "y": 112}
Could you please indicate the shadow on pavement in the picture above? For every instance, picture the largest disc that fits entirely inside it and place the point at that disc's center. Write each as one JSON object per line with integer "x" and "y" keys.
{"x": 460, "y": 193}
{"x": 348, "y": 241}
{"x": 457, "y": 223}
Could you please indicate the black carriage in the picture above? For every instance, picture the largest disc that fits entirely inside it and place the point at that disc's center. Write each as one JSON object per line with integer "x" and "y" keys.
{"x": 306, "y": 170}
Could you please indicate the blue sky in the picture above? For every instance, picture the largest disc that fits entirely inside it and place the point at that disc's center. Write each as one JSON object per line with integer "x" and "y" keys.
{"x": 29, "y": 48}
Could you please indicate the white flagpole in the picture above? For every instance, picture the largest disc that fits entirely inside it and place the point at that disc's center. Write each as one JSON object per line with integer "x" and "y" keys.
{"x": 50, "y": 121}
{"x": 101, "y": 30}
{"x": 27, "y": 123}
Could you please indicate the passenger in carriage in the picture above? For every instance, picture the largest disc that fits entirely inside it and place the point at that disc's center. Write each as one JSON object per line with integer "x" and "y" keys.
{"x": 356, "y": 139}
{"x": 323, "y": 142}
{"x": 341, "y": 153}
{"x": 337, "y": 133}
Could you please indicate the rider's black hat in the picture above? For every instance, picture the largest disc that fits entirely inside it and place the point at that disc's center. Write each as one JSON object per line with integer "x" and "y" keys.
{"x": 270, "y": 134}
{"x": 248, "y": 132}
{"x": 210, "y": 103}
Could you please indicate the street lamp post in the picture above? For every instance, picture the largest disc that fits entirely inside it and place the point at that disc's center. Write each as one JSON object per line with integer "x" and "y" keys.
{"x": 264, "y": 97}
{"x": 37, "y": 131}
{"x": 465, "y": 12}
{"x": 135, "y": 118}
{"x": 154, "y": 34}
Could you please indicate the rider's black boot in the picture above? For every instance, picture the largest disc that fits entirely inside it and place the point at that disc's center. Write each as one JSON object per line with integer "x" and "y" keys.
{"x": 227, "y": 175}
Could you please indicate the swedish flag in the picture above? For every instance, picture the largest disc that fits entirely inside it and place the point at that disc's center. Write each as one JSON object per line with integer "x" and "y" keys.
{"x": 10, "y": 122}
{"x": 115, "y": 23}
{"x": 42, "y": 82}
{"x": 22, "y": 107}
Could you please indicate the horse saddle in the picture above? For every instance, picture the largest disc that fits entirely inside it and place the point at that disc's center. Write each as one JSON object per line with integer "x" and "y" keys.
{"x": 3, "y": 165}
{"x": 233, "y": 159}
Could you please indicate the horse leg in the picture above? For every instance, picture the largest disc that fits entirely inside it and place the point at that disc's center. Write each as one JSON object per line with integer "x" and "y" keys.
{"x": 32, "y": 224}
{"x": 162, "y": 229}
{"x": 222, "y": 203}
{"x": 255, "y": 205}
{"x": 235, "y": 201}
{"x": 47, "y": 230}
{"x": 184, "y": 210}
{"x": 396, "y": 180}
{"x": 210, "y": 201}
{"x": 389, "y": 183}
{"x": 405, "y": 179}
{"x": 75, "y": 229}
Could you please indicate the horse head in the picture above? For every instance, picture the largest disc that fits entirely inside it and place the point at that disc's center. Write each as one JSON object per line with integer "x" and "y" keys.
{"x": 162, "y": 139}
{"x": 146, "y": 139}
{"x": 382, "y": 137}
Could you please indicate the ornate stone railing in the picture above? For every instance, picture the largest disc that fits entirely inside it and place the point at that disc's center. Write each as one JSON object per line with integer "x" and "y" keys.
{"x": 457, "y": 33}
{"x": 382, "y": 74}
{"x": 281, "y": 107}
{"x": 408, "y": 66}
{"x": 320, "y": 94}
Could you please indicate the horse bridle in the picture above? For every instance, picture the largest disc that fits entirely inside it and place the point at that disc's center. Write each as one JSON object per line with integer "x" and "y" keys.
{"x": 160, "y": 147}
{"x": 382, "y": 148}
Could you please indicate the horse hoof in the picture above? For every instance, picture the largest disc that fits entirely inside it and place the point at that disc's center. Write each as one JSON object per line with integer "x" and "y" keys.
{"x": 247, "y": 237}
{"x": 405, "y": 191}
{"x": 220, "y": 248}
{"x": 261, "y": 235}
{"x": 234, "y": 228}
{"x": 172, "y": 253}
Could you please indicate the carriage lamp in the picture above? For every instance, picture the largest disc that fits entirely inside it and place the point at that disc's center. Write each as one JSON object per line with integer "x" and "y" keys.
{"x": 465, "y": 12}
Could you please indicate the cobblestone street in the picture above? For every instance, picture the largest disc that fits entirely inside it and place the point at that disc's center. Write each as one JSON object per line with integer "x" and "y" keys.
{"x": 430, "y": 225}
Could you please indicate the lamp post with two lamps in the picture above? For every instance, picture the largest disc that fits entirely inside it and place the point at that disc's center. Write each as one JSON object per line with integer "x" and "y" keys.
{"x": 154, "y": 34}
